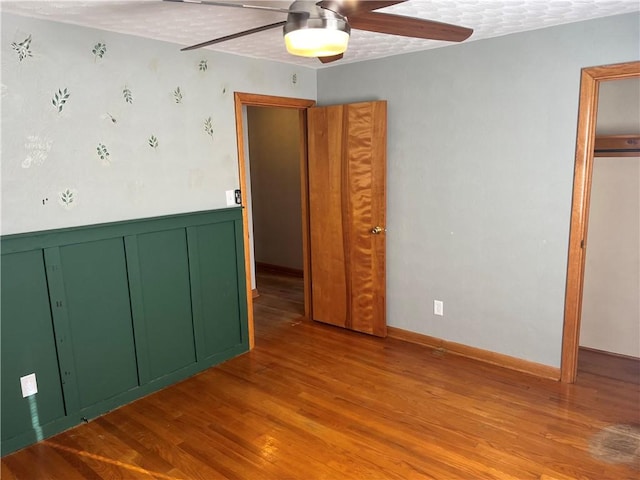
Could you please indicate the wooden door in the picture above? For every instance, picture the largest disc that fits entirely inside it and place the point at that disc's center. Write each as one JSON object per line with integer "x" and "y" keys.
{"x": 347, "y": 200}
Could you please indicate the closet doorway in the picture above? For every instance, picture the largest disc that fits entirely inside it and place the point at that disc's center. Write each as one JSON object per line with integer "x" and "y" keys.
{"x": 585, "y": 146}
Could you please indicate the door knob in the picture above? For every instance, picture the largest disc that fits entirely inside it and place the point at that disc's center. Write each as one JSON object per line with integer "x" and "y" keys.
{"x": 377, "y": 230}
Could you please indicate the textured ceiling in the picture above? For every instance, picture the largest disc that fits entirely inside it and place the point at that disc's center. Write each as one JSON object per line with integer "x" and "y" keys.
{"x": 186, "y": 24}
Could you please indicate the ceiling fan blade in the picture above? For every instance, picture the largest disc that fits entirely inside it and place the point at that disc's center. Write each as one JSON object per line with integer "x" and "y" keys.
{"x": 356, "y": 7}
{"x": 234, "y": 35}
{"x": 409, "y": 27}
{"x": 229, "y": 4}
{"x": 331, "y": 58}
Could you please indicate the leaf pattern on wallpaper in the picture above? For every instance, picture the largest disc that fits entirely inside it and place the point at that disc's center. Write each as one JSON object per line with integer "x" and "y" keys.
{"x": 126, "y": 93}
{"x": 68, "y": 198}
{"x": 202, "y": 66}
{"x": 103, "y": 153}
{"x": 153, "y": 142}
{"x": 208, "y": 127}
{"x": 177, "y": 95}
{"x": 23, "y": 48}
{"x": 99, "y": 49}
{"x": 60, "y": 99}
{"x": 37, "y": 148}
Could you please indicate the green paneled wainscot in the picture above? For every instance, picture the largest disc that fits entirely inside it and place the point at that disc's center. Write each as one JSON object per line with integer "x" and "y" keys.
{"x": 105, "y": 314}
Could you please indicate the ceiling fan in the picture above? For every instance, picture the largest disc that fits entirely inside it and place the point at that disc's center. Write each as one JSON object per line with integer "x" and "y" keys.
{"x": 321, "y": 28}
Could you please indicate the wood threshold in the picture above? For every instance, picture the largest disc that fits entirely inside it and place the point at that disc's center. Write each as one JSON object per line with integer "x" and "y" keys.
{"x": 486, "y": 356}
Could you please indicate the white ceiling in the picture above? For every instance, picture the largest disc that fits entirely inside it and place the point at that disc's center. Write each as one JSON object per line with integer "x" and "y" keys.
{"x": 186, "y": 24}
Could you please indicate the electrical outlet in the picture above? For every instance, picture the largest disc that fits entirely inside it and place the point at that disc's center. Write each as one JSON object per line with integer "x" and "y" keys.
{"x": 29, "y": 385}
{"x": 438, "y": 307}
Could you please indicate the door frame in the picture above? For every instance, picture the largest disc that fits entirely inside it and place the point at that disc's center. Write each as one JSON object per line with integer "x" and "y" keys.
{"x": 583, "y": 170}
{"x": 241, "y": 101}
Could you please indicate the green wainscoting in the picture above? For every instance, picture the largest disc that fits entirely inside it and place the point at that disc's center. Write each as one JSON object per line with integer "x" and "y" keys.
{"x": 165, "y": 301}
{"x": 28, "y": 346}
{"x": 98, "y": 319}
{"x": 109, "y": 313}
{"x": 215, "y": 295}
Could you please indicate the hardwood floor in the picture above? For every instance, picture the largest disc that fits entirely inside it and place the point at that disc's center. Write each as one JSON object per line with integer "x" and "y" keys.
{"x": 317, "y": 402}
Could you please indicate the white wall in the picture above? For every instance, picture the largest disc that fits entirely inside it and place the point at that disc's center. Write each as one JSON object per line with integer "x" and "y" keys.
{"x": 274, "y": 151}
{"x": 611, "y": 295}
{"x": 46, "y": 152}
{"x": 481, "y": 148}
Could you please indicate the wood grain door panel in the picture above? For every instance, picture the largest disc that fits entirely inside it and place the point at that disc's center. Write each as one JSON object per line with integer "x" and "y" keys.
{"x": 347, "y": 198}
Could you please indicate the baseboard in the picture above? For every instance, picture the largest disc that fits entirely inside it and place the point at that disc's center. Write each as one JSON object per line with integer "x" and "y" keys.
{"x": 268, "y": 267}
{"x": 254, "y": 293}
{"x": 499, "y": 359}
{"x": 610, "y": 354}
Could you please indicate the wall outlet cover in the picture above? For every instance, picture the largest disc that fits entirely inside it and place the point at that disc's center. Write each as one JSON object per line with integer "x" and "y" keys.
{"x": 438, "y": 307}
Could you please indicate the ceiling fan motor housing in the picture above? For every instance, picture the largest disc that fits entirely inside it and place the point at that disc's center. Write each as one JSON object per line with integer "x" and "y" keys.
{"x": 316, "y": 33}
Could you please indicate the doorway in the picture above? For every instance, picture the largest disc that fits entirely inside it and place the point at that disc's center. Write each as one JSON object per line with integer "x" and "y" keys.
{"x": 585, "y": 144}
{"x": 242, "y": 102}
{"x": 343, "y": 185}
{"x": 610, "y": 318}
{"x": 274, "y": 201}
{"x": 273, "y": 195}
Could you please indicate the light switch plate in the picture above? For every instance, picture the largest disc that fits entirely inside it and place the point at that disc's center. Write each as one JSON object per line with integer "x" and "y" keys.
{"x": 231, "y": 198}
{"x": 29, "y": 385}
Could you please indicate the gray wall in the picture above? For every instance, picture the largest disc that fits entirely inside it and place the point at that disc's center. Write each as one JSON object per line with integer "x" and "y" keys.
{"x": 480, "y": 163}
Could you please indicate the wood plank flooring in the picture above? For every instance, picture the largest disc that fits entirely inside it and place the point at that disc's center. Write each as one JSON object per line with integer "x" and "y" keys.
{"x": 316, "y": 402}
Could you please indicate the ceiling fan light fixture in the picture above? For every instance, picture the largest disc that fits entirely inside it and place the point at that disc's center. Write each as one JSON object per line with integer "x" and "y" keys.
{"x": 323, "y": 35}
{"x": 316, "y": 42}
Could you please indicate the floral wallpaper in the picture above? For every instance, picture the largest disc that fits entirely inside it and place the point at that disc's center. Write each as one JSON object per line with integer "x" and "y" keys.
{"x": 115, "y": 127}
